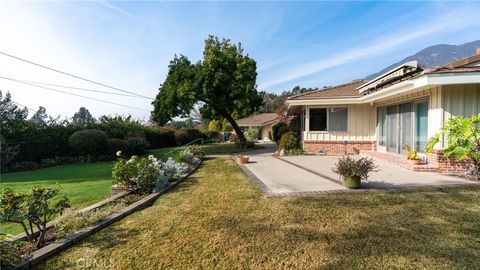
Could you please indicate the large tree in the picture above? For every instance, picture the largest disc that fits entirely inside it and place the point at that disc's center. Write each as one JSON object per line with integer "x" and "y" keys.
{"x": 223, "y": 82}
{"x": 83, "y": 117}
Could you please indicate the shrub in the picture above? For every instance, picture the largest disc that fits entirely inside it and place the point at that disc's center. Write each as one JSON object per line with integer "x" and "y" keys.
{"x": 412, "y": 154}
{"x": 115, "y": 145}
{"x": 215, "y": 125}
{"x": 232, "y": 137}
{"x": 89, "y": 142}
{"x": 187, "y": 135}
{"x": 160, "y": 137}
{"x": 147, "y": 174}
{"x": 22, "y": 166}
{"x": 251, "y": 134}
{"x": 295, "y": 125}
{"x": 278, "y": 130}
{"x": 347, "y": 166}
{"x": 134, "y": 146}
{"x": 37, "y": 207}
{"x": 463, "y": 136}
{"x": 212, "y": 136}
{"x": 288, "y": 141}
{"x": 196, "y": 150}
{"x": 244, "y": 145}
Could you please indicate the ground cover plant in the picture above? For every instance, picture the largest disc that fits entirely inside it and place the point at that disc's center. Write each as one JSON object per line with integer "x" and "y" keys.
{"x": 217, "y": 219}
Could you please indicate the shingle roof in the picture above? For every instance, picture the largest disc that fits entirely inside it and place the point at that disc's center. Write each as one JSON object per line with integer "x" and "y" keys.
{"x": 340, "y": 91}
{"x": 258, "y": 120}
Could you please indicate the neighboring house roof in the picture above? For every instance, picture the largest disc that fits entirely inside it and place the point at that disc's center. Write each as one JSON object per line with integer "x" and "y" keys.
{"x": 339, "y": 91}
{"x": 258, "y": 120}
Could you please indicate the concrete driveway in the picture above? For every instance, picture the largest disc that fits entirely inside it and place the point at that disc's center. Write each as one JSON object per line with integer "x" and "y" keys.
{"x": 313, "y": 175}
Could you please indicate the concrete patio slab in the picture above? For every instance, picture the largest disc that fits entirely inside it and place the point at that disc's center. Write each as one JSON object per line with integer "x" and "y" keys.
{"x": 389, "y": 176}
{"x": 281, "y": 177}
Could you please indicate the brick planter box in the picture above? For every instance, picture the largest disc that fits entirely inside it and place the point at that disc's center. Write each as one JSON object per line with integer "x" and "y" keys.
{"x": 447, "y": 165}
{"x": 338, "y": 147}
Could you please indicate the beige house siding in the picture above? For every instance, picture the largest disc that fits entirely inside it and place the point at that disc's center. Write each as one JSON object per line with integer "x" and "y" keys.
{"x": 361, "y": 125}
{"x": 444, "y": 102}
{"x": 265, "y": 131}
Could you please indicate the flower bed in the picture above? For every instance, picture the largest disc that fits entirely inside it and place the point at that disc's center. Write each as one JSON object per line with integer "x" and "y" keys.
{"x": 146, "y": 177}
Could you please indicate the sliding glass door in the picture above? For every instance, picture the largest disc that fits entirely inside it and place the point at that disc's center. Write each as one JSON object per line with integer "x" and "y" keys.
{"x": 402, "y": 124}
{"x": 421, "y": 125}
{"x": 392, "y": 128}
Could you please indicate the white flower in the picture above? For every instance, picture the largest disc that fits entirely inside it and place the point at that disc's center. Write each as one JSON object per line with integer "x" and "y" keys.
{"x": 119, "y": 153}
{"x": 151, "y": 157}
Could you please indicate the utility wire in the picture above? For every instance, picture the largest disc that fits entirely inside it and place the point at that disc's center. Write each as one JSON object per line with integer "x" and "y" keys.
{"x": 68, "y": 93}
{"x": 72, "y": 87}
{"x": 72, "y": 75}
{"x": 24, "y": 106}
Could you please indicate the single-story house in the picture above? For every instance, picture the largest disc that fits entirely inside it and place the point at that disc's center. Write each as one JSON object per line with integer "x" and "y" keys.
{"x": 406, "y": 105}
{"x": 263, "y": 122}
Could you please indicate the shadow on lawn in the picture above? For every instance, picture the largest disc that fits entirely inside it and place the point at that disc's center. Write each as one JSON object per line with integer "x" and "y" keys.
{"x": 409, "y": 231}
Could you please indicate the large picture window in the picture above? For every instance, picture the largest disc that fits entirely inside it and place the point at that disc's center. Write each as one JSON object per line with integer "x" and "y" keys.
{"x": 331, "y": 119}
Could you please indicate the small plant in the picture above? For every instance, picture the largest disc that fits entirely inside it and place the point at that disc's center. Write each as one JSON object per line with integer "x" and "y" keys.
{"x": 251, "y": 134}
{"x": 412, "y": 154}
{"x": 353, "y": 171}
{"x": 196, "y": 150}
{"x": 278, "y": 130}
{"x": 35, "y": 208}
{"x": 288, "y": 141}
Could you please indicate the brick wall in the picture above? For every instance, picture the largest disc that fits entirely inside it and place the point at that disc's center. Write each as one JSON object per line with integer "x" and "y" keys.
{"x": 447, "y": 165}
{"x": 338, "y": 147}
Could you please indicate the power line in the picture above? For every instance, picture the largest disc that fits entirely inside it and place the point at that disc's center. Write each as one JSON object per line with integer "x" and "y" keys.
{"x": 73, "y": 87}
{"x": 77, "y": 95}
{"x": 72, "y": 75}
{"x": 24, "y": 106}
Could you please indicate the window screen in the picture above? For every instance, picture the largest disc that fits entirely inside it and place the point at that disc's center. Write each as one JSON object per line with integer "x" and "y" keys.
{"x": 318, "y": 119}
{"x": 337, "y": 119}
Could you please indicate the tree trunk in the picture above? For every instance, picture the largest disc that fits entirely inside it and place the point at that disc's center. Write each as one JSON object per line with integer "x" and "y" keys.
{"x": 235, "y": 127}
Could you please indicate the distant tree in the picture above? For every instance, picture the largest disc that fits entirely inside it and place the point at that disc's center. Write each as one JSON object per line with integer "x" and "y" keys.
{"x": 12, "y": 118}
{"x": 40, "y": 118}
{"x": 224, "y": 81}
{"x": 83, "y": 117}
{"x": 273, "y": 102}
{"x": 214, "y": 125}
{"x": 187, "y": 123}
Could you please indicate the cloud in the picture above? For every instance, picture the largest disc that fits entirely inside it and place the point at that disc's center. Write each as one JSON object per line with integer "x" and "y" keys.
{"x": 117, "y": 9}
{"x": 451, "y": 20}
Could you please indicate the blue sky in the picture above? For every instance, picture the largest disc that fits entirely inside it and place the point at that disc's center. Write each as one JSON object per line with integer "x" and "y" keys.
{"x": 129, "y": 44}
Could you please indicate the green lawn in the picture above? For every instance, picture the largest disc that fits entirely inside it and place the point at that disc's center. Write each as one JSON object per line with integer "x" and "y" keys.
{"x": 217, "y": 219}
{"x": 83, "y": 184}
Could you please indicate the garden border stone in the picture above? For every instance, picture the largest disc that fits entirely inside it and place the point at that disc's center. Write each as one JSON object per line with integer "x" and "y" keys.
{"x": 63, "y": 244}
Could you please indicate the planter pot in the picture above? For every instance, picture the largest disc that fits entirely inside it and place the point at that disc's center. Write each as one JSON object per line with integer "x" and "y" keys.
{"x": 242, "y": 159}
{"x": 414, "y": 161}
{"x": 351, "y": 181}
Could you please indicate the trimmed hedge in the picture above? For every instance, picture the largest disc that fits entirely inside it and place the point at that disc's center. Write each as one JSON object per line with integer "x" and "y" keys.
{"x": 89, "y": 142}
{"x": 135, "y": 146}
{"x": 187, "y": 135}
{"x": 160, "y": 137}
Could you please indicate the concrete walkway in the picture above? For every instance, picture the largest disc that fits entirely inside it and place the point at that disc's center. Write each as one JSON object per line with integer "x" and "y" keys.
{"x": 313, "y": 175}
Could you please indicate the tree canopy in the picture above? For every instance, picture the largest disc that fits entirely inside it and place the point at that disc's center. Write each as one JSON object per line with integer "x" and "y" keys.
{"x": 82, "y": 117}
{"x": 223, "y": 82}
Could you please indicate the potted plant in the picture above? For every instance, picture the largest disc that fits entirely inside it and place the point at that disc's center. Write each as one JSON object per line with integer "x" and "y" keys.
{"x": 353, "y": 171}
{"x": 242, "y": 159}
{"x": 412, "y": 155}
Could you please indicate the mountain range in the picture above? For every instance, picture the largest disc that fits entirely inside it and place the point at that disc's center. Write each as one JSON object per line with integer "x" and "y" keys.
{"x": 435, "y": 56}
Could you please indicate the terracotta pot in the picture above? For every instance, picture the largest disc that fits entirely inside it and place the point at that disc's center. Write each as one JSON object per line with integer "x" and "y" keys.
{"x": 414, "y": 161}
{"x": 242, "y": 159}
